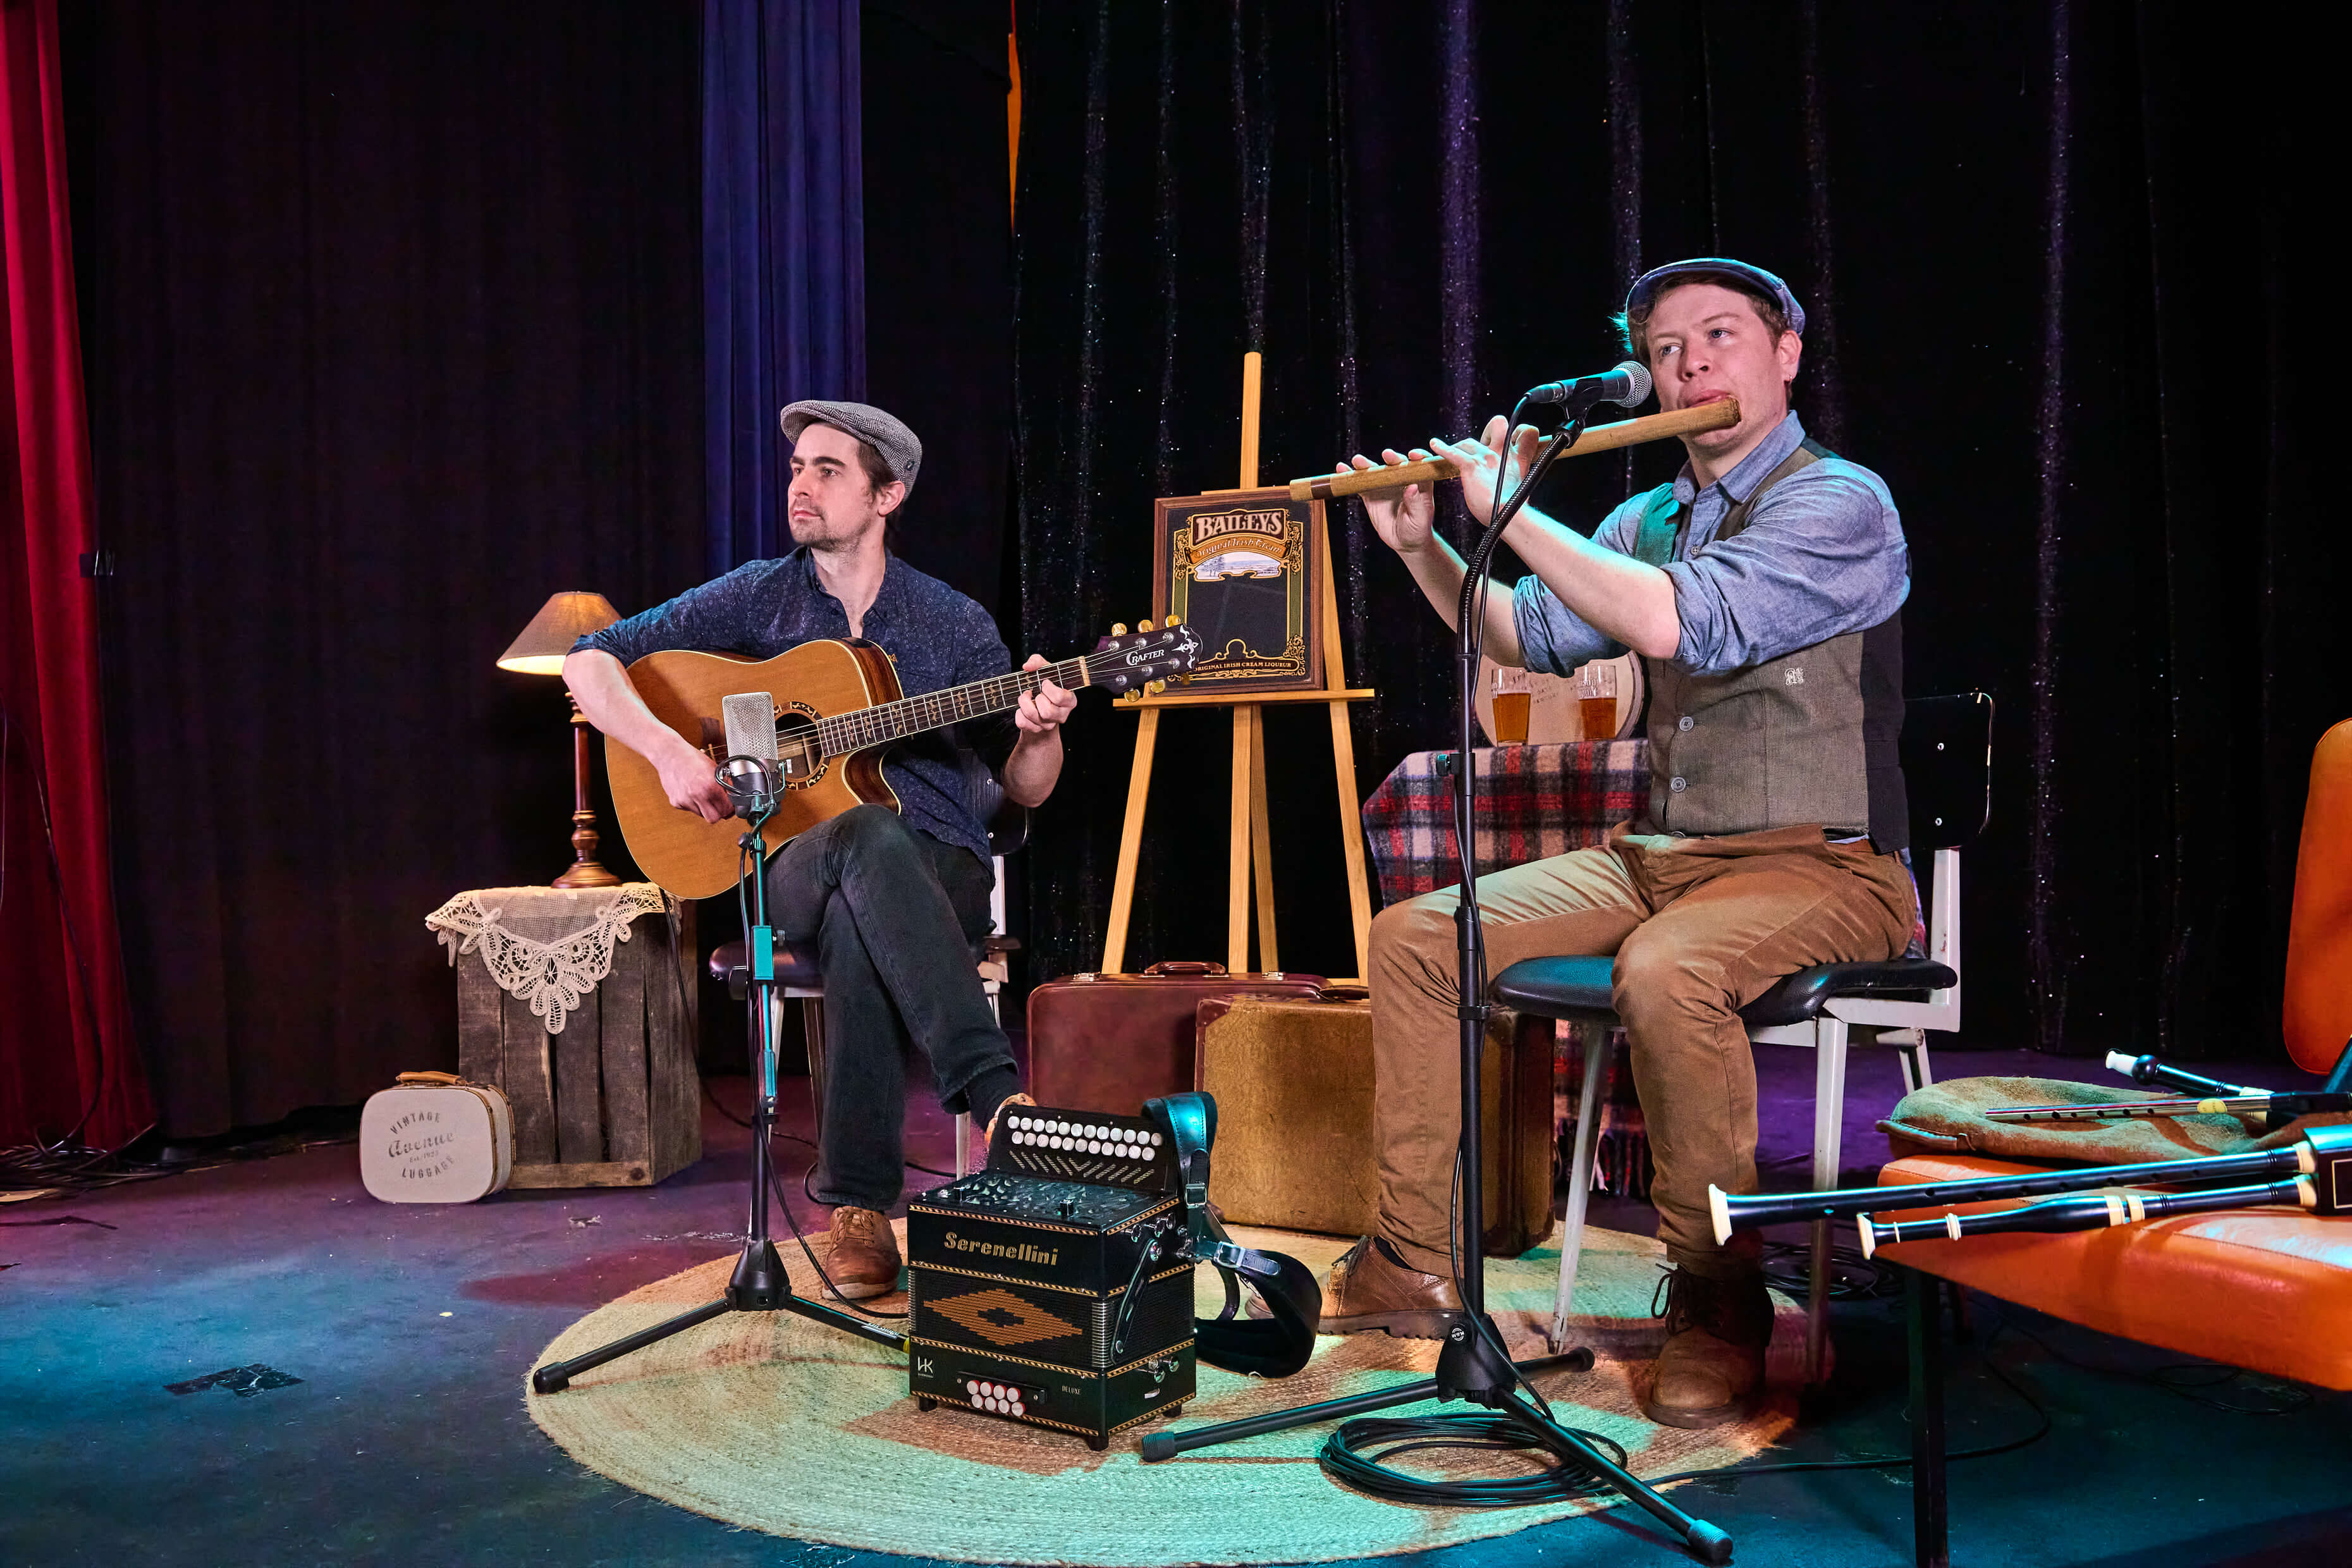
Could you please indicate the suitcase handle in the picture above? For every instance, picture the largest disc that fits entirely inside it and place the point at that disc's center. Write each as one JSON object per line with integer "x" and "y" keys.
{"x": 444, "y": 1078}
{"x": 1185, "y": 967}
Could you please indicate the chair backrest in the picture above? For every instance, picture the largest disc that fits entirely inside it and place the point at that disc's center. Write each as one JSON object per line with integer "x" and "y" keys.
{"x": 1948, "y": 769}
{"x": 2316, "y": 1009}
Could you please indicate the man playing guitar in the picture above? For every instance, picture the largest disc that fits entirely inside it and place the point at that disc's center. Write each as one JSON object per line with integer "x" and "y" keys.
{"x": 894, "y": 902}
{"x": 1761, "y": 590}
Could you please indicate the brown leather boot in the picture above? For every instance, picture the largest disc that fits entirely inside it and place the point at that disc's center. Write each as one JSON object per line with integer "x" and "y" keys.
{"x": 1712, "y": 1367}
{"x": 1370, "y": 1289}
{"x": 864, "y": 1258}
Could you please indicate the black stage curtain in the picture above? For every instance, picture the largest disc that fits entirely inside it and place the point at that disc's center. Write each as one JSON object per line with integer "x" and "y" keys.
{"x": 394, "y": 328}
{"x": 2057, "y": 301}
{"x": 938, "y": 277}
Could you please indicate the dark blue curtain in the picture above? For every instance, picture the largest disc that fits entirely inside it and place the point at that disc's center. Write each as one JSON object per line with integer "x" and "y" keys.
{"x": 783, "y": 247}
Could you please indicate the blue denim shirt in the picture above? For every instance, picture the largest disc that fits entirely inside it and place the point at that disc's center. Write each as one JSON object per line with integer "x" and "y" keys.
{"x": 936, "y": 636}
{"x": 1823, "y": 554}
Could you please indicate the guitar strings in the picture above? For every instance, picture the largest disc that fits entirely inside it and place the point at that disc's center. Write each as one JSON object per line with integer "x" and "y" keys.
{"x": 842, "y": 733}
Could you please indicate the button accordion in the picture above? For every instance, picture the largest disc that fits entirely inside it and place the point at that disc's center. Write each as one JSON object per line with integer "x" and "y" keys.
{"x": 1054, "y": 1287}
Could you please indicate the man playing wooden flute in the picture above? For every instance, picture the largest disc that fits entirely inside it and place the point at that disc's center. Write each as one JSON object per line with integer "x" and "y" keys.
{"x": 1762, "y": 591}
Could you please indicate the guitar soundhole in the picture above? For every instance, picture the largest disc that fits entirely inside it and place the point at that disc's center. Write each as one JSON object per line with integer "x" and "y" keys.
{"x": 797, "y": 749}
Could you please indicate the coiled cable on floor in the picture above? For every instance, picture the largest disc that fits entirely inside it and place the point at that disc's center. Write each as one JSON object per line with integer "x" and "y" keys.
{"x": 1357, "y": 1452}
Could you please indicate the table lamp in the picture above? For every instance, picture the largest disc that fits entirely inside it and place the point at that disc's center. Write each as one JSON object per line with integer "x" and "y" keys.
{"x": 564, "y": 620}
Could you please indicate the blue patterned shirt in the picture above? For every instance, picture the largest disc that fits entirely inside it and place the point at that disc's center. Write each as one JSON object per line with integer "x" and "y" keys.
{"x": 936, "y": 636}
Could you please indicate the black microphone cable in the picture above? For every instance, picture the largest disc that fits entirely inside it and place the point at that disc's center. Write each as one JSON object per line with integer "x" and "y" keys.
{"x": 1357, "y": 1451}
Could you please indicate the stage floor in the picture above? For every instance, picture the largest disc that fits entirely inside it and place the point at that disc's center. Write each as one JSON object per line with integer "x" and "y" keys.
{"x": 410, "y": 1330}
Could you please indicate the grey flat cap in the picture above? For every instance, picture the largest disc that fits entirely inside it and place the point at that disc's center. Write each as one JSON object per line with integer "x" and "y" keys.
{"x": 1651, "y": 284}
{"x": 902, "y": 454}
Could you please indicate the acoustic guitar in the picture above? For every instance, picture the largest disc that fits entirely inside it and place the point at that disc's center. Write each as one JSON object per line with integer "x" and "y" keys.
{"x": 838, "y": 709}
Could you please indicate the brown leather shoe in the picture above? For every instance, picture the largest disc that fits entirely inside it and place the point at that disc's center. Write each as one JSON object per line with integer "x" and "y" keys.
{"x": 1370, "y": 1290}
{"x": 1712, "y": 1367}
{"x": 864, "y": 1258}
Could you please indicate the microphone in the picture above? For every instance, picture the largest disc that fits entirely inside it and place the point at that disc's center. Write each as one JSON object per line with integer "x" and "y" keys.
{"x": 1629, "y": 383}
{"x": 750, "y": 775}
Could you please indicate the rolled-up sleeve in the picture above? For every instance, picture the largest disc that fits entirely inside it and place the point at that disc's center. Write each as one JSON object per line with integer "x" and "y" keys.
{"x": 1823, "y": 554}
{"x": 712, "y": 619}
{"x": 1553, "y": 639}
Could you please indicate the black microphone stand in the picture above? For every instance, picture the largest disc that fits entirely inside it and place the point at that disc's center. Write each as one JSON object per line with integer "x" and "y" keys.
{"x": 760, "y": 1283}
{"x": 1472, "y": 1364}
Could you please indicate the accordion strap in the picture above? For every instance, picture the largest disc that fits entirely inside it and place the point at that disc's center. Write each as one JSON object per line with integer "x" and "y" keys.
{"x": 1275, "y": 1346}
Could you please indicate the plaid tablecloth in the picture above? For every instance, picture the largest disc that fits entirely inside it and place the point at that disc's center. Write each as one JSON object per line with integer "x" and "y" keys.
{"x": 1533, "y": 802}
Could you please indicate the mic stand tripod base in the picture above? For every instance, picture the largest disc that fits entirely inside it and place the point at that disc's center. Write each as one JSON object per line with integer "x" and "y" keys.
{"x": 759, "y": 1283}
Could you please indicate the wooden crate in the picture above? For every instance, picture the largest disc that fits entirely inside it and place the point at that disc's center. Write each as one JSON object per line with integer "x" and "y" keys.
{"x": 613, "y": 1101}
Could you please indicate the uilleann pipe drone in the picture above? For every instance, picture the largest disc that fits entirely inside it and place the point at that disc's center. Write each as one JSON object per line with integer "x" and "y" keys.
{"x": 2323, "y": 1154}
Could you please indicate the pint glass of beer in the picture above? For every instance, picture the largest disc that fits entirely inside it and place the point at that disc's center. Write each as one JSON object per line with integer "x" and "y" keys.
{"x": 1596, "y": 701}
{"x": 1512, "y": 700}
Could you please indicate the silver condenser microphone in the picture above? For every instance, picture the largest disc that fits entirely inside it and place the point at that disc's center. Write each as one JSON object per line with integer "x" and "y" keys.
{"x": 750, "y": 774}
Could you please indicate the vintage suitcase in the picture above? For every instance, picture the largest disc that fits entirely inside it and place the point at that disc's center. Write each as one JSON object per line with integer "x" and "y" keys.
{"x": 433, "y": 1138}
{"x": 1293, "y": 1082}
{"x": 1109, "y": 1042}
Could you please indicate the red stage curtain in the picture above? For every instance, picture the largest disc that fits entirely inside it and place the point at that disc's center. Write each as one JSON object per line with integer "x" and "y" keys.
{"x": 64, "y": 1020}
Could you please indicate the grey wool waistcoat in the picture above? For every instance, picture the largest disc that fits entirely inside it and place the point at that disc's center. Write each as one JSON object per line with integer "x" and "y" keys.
{"x": 1809, "y": 737}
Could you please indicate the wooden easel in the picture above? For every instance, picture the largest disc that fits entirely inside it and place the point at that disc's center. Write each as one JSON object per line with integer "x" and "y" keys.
{"x": 1250, "y": 857}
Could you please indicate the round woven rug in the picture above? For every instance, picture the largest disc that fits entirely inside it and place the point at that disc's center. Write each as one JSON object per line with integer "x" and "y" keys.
{"x": 772, "y": 1421}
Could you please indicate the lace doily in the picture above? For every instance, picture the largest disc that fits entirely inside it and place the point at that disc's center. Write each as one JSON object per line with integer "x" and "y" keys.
{"x": 551, "y": 970}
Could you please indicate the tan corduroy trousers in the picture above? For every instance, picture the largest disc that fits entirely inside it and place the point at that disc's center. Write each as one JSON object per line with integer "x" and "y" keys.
{"x": 1699, "y": 928}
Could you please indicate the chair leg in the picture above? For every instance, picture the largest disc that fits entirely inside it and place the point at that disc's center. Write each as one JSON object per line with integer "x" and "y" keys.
{"x": 1911, "y": 1050}
{"x": 812, "y": 1036}
{"x": 1593, "y": 1040}
{"x": 963, "y": 1145}
{"x": 1830, "y": 1036}
{"x": 1930, "y": 1522}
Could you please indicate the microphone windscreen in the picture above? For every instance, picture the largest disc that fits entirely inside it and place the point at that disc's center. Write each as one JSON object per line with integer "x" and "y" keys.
{"x": 751, "y": 725}
{"x": 1632, "y": 371}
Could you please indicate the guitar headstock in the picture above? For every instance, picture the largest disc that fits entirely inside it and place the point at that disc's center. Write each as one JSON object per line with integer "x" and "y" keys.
{"x": 1125, "y": 660}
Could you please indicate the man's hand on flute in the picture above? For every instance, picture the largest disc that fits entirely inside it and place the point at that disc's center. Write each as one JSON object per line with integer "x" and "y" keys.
{"x": 1404, "y": 516}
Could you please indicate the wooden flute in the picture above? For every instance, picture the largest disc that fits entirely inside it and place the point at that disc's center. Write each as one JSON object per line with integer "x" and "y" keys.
{"x": 1717, "y": 415}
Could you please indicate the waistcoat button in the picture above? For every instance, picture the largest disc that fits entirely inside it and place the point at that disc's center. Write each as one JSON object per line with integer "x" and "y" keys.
{"x": 1677, "y": 785}
{"x": 1684, "y": 722}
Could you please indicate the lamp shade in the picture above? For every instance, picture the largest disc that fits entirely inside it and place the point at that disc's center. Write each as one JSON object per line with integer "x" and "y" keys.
{"x": 564, "y": 620}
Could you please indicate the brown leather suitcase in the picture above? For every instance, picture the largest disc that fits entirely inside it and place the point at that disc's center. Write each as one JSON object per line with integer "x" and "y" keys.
{"x": 1293, "y": 1082}
{"x": 1109, "y": 1042}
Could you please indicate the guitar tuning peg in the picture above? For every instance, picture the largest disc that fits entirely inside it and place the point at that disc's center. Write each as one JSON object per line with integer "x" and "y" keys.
{"x": 1143, "y": 626}
{"x": 1155, "y": 686}
{"x": 1119, "y": 628}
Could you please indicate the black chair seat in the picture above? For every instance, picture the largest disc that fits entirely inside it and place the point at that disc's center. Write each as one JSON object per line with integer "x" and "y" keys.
{"x": 1578, "y": 988}
{"x": 795, "y": 965}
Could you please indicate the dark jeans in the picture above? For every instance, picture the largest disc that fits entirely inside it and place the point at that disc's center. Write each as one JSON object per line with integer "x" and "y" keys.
{"x": 895, "y": 913}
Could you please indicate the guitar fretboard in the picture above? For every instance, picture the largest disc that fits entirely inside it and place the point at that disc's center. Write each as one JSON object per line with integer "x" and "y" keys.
{"x": 887, "y": 721}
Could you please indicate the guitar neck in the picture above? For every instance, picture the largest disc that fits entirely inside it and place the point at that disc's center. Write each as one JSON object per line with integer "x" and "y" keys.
{"x": 887, "y": 721}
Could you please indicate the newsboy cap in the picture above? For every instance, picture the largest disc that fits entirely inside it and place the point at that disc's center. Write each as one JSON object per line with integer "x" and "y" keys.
{"x": 902, "y": 454}
{"x": 1651, "y": 284}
